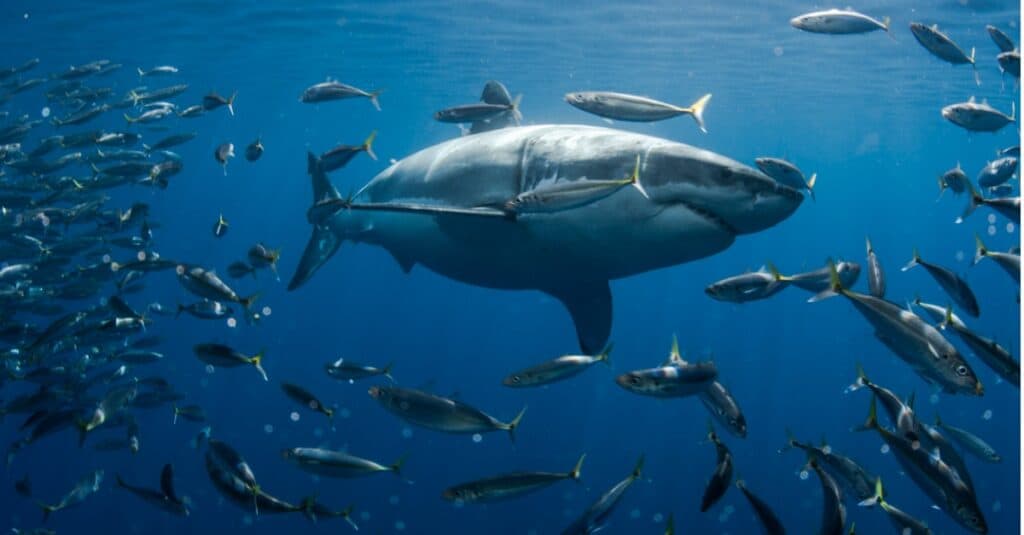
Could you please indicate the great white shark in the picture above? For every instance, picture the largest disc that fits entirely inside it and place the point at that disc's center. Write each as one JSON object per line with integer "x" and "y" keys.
{"x": 442, "y": 207}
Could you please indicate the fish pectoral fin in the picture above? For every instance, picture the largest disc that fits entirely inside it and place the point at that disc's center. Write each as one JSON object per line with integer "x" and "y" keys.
{"x": 322, "y": 245}
{"x": 590, "y": 305}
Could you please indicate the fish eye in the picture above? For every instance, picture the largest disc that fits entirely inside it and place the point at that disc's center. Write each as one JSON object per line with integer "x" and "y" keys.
{"x": 961, "y": 370}
{"x": 515, "y": 378}
{"x": 634, "y": 380}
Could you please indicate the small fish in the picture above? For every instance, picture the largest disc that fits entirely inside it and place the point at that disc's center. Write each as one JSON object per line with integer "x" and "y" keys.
{"x": 992, "y": 354}
{"x": 851, "y": 475}
{"x": 626, "y": 107}
{"x": 333, "y": 90}
{"x": 954, "y": 286}
{"x": 954, "y": 179}
{"x": 192, "y": 413}
{"x": 555, "y": 370}
{"x": 347, "y": 370}
{"x": 838, "y": 22}
{"x": 254, "y": 150}
{"x": 438, "y": 413}
{"x": 220, "y": 228}
{"x": 751, "y": 286}
{"x": 724, "y": 408}
{"x": 261, "y": 256}
{"x": 149, "y": 116}
{"x": 969, "y": 442}
{"x": 770, "y": 523}
{"x": 85, "y": 487}
{"x": 165, "y": 498}
{"x": 305, "y": 398}
{"x": 192, "y": 111}
{"x": 208, "y": 285}
{"x": 508, "y": 486}
{"x": 566, "y": 195}
{"x": 339, "y": 156}
{"x": 207, "y": 309}
{"x": 479, "y": 111}
{"x": 787, "y": 174}
{"x": 1009, "y": 62}
{"x": 158, "y": 71}
{"x": 833, "y": 513}
{"x": 1001, "y": 40}
{"x": 942, "y": 47}
{"x": 904, "y": 523}
{"x": 721, "y": 479}
{"x": 1009, "y": 207}
{"x": 1009, "y": 262}
{"x": 223, "y": 153}
{"x": 819, "y": 280}
{"x": 338, "y": 464}
{"x": 997, "y": 172}
{"x": 213, "y": 101}
{"x": 173, "y": 141}
{"x": 978, "y": 117}
{"x": 222, "y": 356}
{"x": 593, "y": 519}
{"x": 876, "y": 277}
{"x": 1009, "y": 151}
{"x": 676, "y": 378}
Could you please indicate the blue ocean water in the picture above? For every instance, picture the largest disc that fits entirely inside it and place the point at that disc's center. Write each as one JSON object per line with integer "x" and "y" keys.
{"x": 862, "y": 111}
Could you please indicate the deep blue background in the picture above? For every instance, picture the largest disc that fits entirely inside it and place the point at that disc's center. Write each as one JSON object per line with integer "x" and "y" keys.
{"x": 862, "y": 111}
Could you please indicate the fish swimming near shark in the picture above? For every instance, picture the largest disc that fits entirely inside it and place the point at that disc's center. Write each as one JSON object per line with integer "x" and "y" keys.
{"x": 442, "y": 208}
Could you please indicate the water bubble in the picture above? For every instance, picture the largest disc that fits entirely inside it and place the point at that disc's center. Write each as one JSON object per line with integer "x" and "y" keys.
{"x": 884, "y": 449}
{"x": 1010, "y": 227}
{"x": 987, "y": 415}
{"x": 294, "y": 416}
{"x": 180, "y": 270}
{"x": 26, "y": 16}
{"x": 991, "y": 219}
{"x": 635, "y": 513}
{"x": 933, "y": 399}
{"x": 406, "y": 432}
{"x": 345, "y": 413}
{"x": 266, "y": 311}
{"x": 826, "y": 449}
{"x": 998, "y": 506}
{"x": 658, "y": 518}
{"x": 209, "y": 368}
{"x": 232, "y": 322}
{"x": 268, "y": 429}
{"x": 106, "y": 259}
{"x": 141, "y": 255}
{"x": 399, "y": 525}
{"x": 778, "y": 51}
{"x": 477, "y": 437}
{"x": 991, "y": 230}
{"x": 804, "y": 475}
{"x": 45, "y": 112}
{"x": 393, "y": 499}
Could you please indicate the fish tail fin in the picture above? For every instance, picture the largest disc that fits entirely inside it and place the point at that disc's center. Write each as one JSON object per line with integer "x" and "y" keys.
{"x": 638, "y": 468}
{"x": 396, "y": 466}
{"x": 634, "y": 179}
{"x": 872, "y": 420}
{"x": 835, "y": 285}
{"x": 979, "y": 249}
{"x": 176, "y": 412}
{"x": 374, "y": 98}
{"x": 974, "y": 200}
{"x": 386, "y": 371}
{"x": 47, "y": 509}
{"x": 129, "y": 118}
{"x": 887, "y": 25}
{"x": 257, "y": 361}
{"x": 697, "y": 111}
{"x": 915, "y": 260}
{"x": 878, "y": 498}
{"x": 140, "y": 71}
{"x": 575, "y": 472}
{"x": 605, "y": 355}
{"x": 347, "y": 515}
{"x": 231, "y": 103}
{"x": 810, "y": 185}
{"x": 368, "y": 145}
{"x": 947, "y": 320}
{"x": 247, "y": 302}
{"x": 511, "y": 426}
{"x": 779, "y": 277}
{"x": 860, "y": 382}
{"x": 790, "y": 441}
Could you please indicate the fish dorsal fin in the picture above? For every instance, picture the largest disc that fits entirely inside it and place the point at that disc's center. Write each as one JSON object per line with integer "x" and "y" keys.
{"x": 971, "y": 100}
{"x": 935, "y": 28}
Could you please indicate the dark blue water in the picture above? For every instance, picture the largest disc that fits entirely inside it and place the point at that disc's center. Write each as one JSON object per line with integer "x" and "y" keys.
{"x": 861, "y": 111}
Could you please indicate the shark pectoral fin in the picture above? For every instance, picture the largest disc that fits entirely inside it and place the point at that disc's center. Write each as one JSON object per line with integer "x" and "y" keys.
{"x": 590, "y": 305}
{"x": 403, "y": 262}
{"x": 322, "y": 245}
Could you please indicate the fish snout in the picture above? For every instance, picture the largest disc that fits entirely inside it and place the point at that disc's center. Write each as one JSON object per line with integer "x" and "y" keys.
{"x": 374, "y": 392}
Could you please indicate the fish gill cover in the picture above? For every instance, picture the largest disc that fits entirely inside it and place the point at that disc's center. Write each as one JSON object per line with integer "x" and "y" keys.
{"x": 463, "y": 267}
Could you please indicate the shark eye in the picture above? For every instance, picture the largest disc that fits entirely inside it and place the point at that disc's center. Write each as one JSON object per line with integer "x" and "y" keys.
{"x": 961, "y": 370}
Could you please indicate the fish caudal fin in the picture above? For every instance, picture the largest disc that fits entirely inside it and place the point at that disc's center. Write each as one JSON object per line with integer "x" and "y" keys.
{"x": 368, "y": 145}
{"x": 915, "y": 260}
{"x": 697, "y": 111}
{"x": 634, "y": 179}
{"x": 256, "y": 361}
{"x": 47, "y": 509}
{"x": 638, "y": 468}
{"x": 974, "y": 200}
{"x": 605, "y": 356}
{"x": 396, "y": 467}
{"x": 835, "y": 285}
{"x": 374, "y": 100}
{"x": 575, "y": 472}
{"x": 810, "y": 185}
{"x": 878, "y": 498}
{"x": 511, "y": 426}
{"x": 872, "y": 420}
{"x": 979, "y": 249}
{"x": 231, "y": 103}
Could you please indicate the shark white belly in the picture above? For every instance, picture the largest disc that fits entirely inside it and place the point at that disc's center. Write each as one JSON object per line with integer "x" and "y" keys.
{"x": 442, "y": 207}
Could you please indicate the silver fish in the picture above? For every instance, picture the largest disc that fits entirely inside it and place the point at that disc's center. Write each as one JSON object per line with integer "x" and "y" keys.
{"x": 978, "y": 116}
{"x": 626, "y": 107}
{"x": 508, "y": 486}
{"x": 332, "y": 90}
{"x": 969, "y": 441}
{"x": 876, "y": 277}
{"x": 953, "y": 285}
{"x": 838, "y": 22}
{"x": 439, "y": 413}
{"x": 555, "y": 370}
{"x": 594, "y": 518}
{"x": 787, "y": 173}
{"x": 339, "y": 464}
